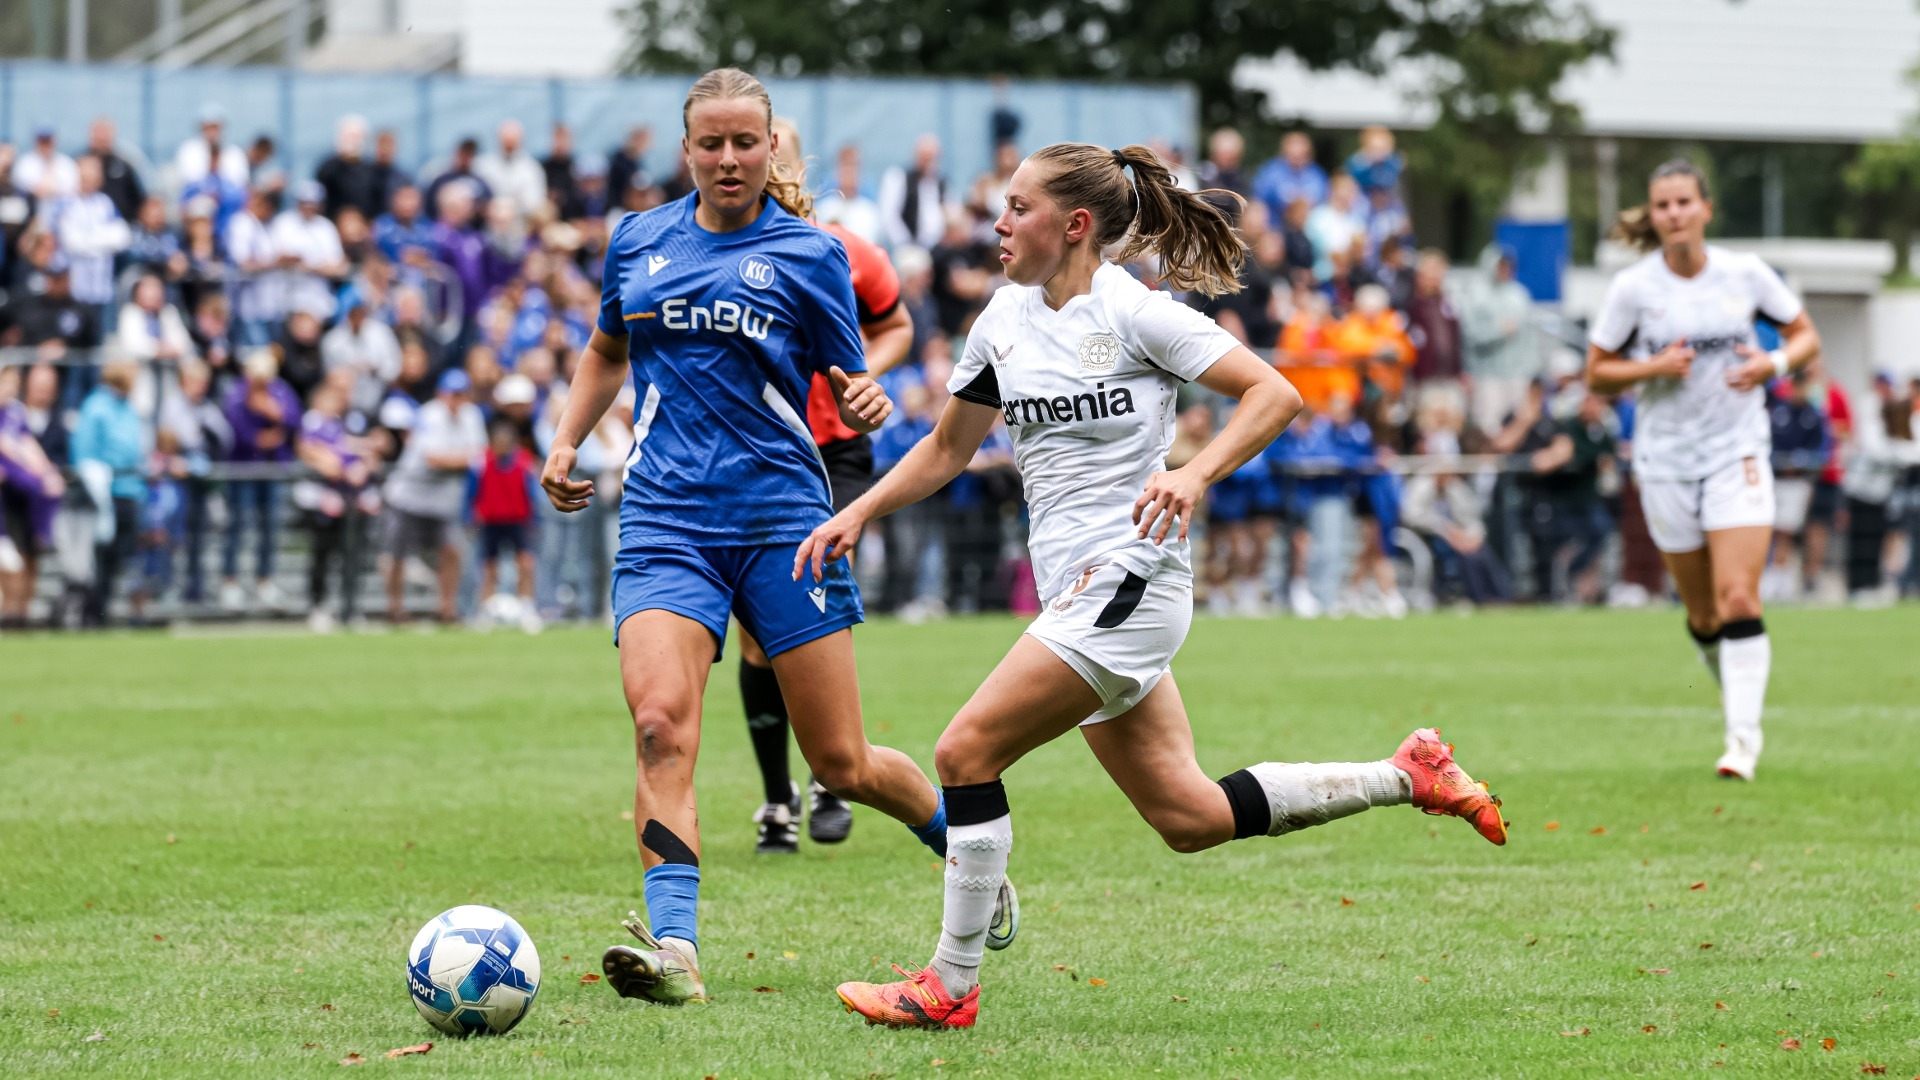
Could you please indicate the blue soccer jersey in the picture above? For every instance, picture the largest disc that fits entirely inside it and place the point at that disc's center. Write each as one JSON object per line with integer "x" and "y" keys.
{"x": 724, "y": 332}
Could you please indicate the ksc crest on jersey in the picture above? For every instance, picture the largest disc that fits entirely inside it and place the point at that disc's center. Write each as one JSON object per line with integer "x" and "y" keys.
{"x": 1099, "y": 353}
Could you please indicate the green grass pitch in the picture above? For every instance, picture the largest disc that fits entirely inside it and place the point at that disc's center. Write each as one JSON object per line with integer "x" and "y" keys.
{"x": 214, "y": 851}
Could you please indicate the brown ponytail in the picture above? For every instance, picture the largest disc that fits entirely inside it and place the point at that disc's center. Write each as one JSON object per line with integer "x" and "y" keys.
{"x": 1198, "y": 247}
{"x": 787, "y": 187}
{"x": 1634, "y": 226}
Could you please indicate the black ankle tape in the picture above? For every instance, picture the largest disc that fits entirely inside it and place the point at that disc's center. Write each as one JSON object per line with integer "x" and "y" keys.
{"x": 1706, "y": 639}
{"x": 975, "y": 804}
{"x": 662, "y": 842}
{"x": 1251, "y": 814}
{"x": 1743, "y": 628}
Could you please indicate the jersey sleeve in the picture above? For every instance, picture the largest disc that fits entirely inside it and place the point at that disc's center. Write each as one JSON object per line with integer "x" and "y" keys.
{"x": 1178, "y": 339}
{"x": 876, "y": 286}
{"x": 833, "y": 328}
{"x": 1771, "y": 297}
{"x": 973, "y": 377}
{"x": 619, "y": 249}
{"x": 1619, "y": 315}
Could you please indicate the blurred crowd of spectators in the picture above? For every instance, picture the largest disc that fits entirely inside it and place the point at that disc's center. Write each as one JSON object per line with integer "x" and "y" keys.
{"x": 192, "y": 361}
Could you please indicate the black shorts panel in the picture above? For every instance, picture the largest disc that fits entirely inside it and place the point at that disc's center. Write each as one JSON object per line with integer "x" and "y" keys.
{"x": 849, "y": 465}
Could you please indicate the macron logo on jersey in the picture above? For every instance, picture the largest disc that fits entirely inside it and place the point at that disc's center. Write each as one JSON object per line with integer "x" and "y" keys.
{"x": 819, "y": 597}
{"x": 1099, "y": 405}
{"x": 655, "y": 263}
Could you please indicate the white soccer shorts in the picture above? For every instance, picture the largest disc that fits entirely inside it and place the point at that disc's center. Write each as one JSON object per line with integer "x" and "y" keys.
{"x": 1681, "y": 512}
{"x": 1118, "y": 631}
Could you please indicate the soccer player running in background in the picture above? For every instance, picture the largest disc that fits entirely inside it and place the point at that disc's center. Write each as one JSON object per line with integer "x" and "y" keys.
{"x": 724, "y": 304}
{"x": 886, "y": 330}
{"x": 1678, "y": 325}
{"x": 1082, "y": 362}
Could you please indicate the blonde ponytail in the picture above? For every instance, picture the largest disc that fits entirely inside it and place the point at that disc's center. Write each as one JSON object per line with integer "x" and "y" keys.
{"x": 1198, "y": 247}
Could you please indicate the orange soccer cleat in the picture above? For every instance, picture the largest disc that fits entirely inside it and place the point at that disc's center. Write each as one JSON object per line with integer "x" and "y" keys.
{"x": 920, "y": 1000}
{"x": 1441, "y": 787}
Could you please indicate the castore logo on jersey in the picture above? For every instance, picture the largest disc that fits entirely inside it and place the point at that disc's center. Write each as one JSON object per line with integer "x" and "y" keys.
{"x": 757, "y": 271}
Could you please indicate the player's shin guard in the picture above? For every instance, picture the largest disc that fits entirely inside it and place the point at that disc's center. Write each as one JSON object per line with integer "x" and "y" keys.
{"x": 1275, "y": 798}
{"x": 673, "y": 887}
{"x": 767, "y": 726}
{"x": 979, "y": 840}
{"x": 1746, "y": 661}
{"x": 934, "y": 832}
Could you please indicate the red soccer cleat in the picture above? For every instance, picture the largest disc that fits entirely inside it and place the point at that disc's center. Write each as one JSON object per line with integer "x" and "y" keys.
{"x": 1441, "y": 787}
{"x": 920, "y": 1000}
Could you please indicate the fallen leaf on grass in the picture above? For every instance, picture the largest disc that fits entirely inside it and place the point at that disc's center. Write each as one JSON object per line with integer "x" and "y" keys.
{"x": 157, "y": 937}
{"x": 1717, "y": 809}
{"x": 1871, "y": 1069}
{"x": 53, "y": 1012}
{"x": 749, "y": 956}
{"x": 1553, "y": 826}
{"x": 789, "y": 955}
{"x": 1649, "y": 1029}
{"x": 1344, "y": 902}
{"x": 1891, "y": 975}
{"x": 1532, "y": 941}
{"x": 1817, "y": 955}
{"x": 1575, "y": 1034}
{"x": 171, "y": 840}
{"x": 1828, "y": 1045}
{"x": 403, "y": 1051}
{"x": 1790, "y": 1044}
{"x": 1597, "y": 830}
{"x": 937, "y": 1062}
{"x": 1697, "y": 886}
{"x": 766, "y": 990}
{"x": 1721, "y": 1005}
{"x": 328, "y": 1007}
{"x": 353, "y": 1059}
{"x": 589, "y": 978}
{"x": 1654, "y": 971}
{"x": 1706, "y": 944}
{"x": 98, "y": 1036}
{"x": 1096, "y": 982}
{"x": 1646, "y": 828}
{"x": 1177, "y": 997}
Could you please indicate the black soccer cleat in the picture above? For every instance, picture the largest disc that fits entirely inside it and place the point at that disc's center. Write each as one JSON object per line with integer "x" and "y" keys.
{"x": 830, "y": 819}
{"x": 779, "y": 826}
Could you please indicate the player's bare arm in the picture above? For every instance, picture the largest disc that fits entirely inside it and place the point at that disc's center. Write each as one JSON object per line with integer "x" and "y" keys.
{"x": 602, "y": 371}
{"x": 1268, "y": 403}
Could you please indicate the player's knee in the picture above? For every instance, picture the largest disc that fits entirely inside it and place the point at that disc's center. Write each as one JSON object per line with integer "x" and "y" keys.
{"x": 958, "y": 758}
{"x": 1739, "y": 602}
{"x": 1182, "y": 832}
{"x": 658, "y": 729}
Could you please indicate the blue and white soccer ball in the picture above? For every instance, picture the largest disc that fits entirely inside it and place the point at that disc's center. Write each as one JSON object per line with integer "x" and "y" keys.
{"x": 473, "y": 971}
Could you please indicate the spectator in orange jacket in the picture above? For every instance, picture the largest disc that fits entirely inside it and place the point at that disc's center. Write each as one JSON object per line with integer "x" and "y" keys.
{"x": 1373, "y": 336}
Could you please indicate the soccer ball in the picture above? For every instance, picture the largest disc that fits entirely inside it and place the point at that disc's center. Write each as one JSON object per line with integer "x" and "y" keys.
{"x": 473, "y": 971}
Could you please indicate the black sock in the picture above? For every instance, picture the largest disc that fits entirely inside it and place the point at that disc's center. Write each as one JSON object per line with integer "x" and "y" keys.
{"x": 767, "y": 726}
{"x": 1252, "y": 815}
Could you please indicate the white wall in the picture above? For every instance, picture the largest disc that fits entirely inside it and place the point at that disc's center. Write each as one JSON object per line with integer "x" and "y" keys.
{"x": 552, "y": 37}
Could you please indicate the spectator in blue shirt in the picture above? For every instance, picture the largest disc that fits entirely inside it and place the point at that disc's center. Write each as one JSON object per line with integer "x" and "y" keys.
{"x": 1291, "y": 175}
{"x": 403, "y": 234}
{"x": 109, "y": 450}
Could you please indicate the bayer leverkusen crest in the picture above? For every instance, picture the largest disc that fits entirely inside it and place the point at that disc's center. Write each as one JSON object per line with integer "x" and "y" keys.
{"x": 1099, "y": 353}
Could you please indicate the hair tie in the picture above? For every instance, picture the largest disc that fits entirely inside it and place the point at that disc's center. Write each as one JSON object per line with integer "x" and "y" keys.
{"x": 1120, "y": 159}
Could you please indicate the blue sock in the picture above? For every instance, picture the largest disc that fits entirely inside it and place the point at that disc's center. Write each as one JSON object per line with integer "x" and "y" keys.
{"x": 934, "y": 833}
{"x": 673, "y": 900}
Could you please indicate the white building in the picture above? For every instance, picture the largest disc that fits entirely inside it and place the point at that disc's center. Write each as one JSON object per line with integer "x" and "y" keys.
{"x": 577, "y": 38}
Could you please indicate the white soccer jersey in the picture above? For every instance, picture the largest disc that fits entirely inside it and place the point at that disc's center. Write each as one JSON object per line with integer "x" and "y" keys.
{"x": 1691, "y": 429}
{"x": 1088, "y": 395}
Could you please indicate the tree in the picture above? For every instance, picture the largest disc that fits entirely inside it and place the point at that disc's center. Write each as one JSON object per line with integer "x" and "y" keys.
{"x": 1888, "y": 174}
{"x": 1495, "y": 65}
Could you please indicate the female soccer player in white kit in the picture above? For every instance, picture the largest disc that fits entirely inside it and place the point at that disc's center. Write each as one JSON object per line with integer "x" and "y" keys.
{"x": 1082, "y": 363}
{"x": 1678, "y": 325}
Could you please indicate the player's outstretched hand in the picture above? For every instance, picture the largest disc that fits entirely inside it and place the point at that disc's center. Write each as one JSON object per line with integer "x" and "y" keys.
{"x": 864, "y": 406}
{"x": 827, "y": 543}
{"x": 1755, "y": 369}
{"x": 566, "y": 495}
{"x": 1169, "y": 495}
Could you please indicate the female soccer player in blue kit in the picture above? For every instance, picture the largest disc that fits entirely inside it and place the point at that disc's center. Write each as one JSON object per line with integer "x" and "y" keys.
{"x": 724, "y": 304}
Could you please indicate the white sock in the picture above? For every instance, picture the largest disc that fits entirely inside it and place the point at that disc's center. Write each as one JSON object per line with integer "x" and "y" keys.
{"x": 1745, "y": 663}
{"x": 1304, "y": 794}
{"x": 976, "y": 865}
{"x": 685, "y": 948}
{"x": 1710, "y": 656}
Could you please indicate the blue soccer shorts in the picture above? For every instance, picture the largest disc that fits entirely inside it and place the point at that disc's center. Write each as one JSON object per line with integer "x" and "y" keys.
{"x": 706, "y": 584}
